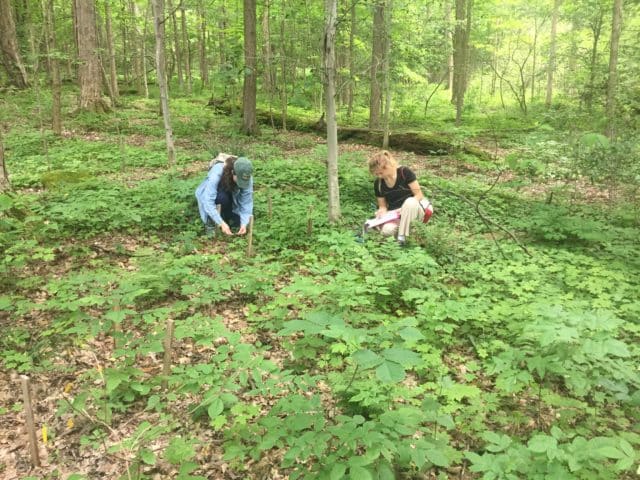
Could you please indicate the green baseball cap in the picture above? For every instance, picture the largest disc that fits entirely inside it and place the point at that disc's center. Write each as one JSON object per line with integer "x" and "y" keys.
{"x": 243, "y": 170}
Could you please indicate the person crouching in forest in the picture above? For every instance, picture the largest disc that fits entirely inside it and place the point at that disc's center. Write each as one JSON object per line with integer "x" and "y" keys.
{"x": 229, "y": 185}
{"x": 396, "y": 187}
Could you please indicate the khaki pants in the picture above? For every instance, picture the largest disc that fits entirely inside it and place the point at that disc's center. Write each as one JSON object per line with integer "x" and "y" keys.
{"x": 410, "y": 211}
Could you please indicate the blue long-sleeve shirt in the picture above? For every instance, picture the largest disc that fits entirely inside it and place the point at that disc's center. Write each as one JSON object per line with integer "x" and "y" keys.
{"x": 207, "y": 192}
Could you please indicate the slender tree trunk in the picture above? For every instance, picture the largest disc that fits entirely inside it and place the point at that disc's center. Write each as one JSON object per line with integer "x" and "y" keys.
{"x": 187, "y": 49}
{"x": 56, "y": 84}
{"x": 89, "y": 69}
{"x": 351, "y": 61}
{"x": 387, "y": 76}
{"x": 267, "y": 54}
{"x": 143, "y": 50}
{"x": 176, "y": 45}
{"x": 249, "y": 123}
{"x": 204, "y": 67}
{"x": 4, "y": 175}
{"x": 552, "y": 52}
{"x": 377, "y": 58}
{"x": 329, "y": 45}
{"x": 534, "y": 61}
{"x": 11, "y": 58}
{"x": 283, "y": 67}
{"x": 448, "y": 39}
{"x": 113, "y": 73}
{"x": 616, "y": 27}
{"x": 158, "y": 26}
{"x": 596, "y": 28}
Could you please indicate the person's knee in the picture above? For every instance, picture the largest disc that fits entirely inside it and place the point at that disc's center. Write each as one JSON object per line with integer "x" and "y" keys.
{"x": 411, "y": 202}
{"x": 388, "y": 229}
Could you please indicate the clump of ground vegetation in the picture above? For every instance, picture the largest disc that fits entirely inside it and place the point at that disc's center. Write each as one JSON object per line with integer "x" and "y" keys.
{"x": 502, "y": 343}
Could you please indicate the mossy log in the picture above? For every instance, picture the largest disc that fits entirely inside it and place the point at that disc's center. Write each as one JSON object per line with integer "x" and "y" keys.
{"x": 421, "y": 143}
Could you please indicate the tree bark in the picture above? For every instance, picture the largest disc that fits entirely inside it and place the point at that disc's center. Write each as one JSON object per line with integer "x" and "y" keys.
{"x": 596, "y": 29}
{"x": 204, "y": 67}
{"x": 448, "y": 38}
{"x": 89, "y": 70}
{"x": 56, "y": 84}
{"x": 249, "y": 123}
{"x": 460, "y": 55}
{"x": 4, "y": 175}
{"x": 387, "y": 76}
{"x": 351, "y": 61}
{"x": 11, "y": 58}
{"x": 113, "y": 73}
{"x": 267, "y": 54}
{"x": 158, "y": 25}
{"x": 616, "y": 27}
{"x": 177, "y": 51}
{"x": 552, "y": 52}
{"x": 187, "y": 49}
{"x": 377, "y": 58}
{"x": 329, "y": 56}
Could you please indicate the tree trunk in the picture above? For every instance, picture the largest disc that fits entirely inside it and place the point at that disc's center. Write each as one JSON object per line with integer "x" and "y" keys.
{"x": 158, "y": 26}
{"x": 137, "y": 49}
{"x": 267, "y": 54}
{"x": 113, "y": 73}
{"x": 387, "y": 76}
{"x": 143, "y": 56}
{"x": 460, "y": 55}
{"x": 176, "y": 45}
{"x": 616, "y": 27}
{"x": 596, "y": 28}
{"x": 187, "y": 49}
{"x": 448, "y": 38}
{"x": 204, "y": 67}
{"x": 552, "y": 52}
{"x": 4, "y": 175}
{"x": 534, "y": 61}
{"x": 89, "y": 70}
{"x": 9, "y": 45}
{"x": 329, "y": 54}
{"x": 351, "y": 61}
{"x": 377, "y": 58}
{"x": 56, "y": 84}
{"x": 249, "y": 123}
{"x": 283, "y": 67}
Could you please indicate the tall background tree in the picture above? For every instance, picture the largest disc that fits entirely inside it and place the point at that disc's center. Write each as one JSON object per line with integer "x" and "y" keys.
{"x": 89, "y": 68}
{"x": 11, "y": 57}
{"x": 249, "y": 122}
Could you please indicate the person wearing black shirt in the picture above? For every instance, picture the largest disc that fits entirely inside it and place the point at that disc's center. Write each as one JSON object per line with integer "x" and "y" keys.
{"x": 396, "y": 187}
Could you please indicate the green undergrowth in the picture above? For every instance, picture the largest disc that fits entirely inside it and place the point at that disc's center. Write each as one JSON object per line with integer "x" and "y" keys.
{"x": 327, "y": 353}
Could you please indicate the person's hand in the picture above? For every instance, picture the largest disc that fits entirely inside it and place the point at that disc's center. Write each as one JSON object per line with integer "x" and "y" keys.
{"x": 225, "y": 228}
{"x": 381, "y": 212}
{"x": 242, "y": 230}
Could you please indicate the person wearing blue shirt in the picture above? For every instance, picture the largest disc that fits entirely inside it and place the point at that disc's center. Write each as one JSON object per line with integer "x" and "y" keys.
{"x": 229, "y": 184}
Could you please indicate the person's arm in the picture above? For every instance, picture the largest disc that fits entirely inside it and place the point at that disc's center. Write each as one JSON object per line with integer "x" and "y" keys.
{"x": 416, "y": 191}
{"x": 245, "y": 207}
{"x": 382, "y": 207}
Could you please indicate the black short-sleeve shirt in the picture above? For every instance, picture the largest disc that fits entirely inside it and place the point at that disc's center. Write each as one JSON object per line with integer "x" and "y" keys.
{"x": 396, "y": 195}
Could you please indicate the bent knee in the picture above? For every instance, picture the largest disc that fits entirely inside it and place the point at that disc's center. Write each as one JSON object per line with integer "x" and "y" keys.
{"x": 411, "y": 202}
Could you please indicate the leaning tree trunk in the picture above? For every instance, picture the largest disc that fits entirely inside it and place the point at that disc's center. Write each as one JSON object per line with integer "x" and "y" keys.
{"x": 9, "y": 45}
{"x": 249, "y": 122}
{"x": 329, "y": 51}
{"x": 616, "y": 27}
{"x": 54, "y": 67}
{"x": 552, "y": 53}
{"x": 158, "y": 26}
{"x": 89, "y": 70}
{"x": 377, "y": 56}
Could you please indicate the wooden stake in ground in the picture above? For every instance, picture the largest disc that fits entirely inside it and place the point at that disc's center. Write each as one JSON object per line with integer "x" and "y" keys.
{"x": 269, "y": 205}
{"x": 250, "y": 237}
{"x": 168, "y": 348}
{"x": 31, "y": 427}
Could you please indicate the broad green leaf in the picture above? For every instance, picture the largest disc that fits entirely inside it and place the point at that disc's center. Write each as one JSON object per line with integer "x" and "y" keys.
{"x": 179, "y": 451}
{"x": 367, "y": 359}
{"x": 338, "y": 471}
{"x": 404, "y": 357}
{"x": 215, "y": 408}
{"x": 385, "y": 472}
{"x": 359, "y": 473}
{"x": 147, "y": 456}
{"x": 437, "y": 457}
{"x": 542, "y": 443}
{"x": 411, "y": 334}
{"x": 390, "y": 372}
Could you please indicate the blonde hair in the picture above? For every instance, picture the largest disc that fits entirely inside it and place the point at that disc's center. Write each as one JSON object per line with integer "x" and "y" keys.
{"x": 381, "y": 160}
